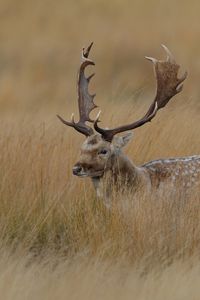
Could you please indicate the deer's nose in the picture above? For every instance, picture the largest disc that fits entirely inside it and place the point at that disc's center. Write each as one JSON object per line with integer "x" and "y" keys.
{"x": 76, "y": 169}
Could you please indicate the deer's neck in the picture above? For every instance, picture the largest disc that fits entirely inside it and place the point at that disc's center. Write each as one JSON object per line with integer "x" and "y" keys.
{"x": 123, "y": 170}
{"x": 121, "y": 173}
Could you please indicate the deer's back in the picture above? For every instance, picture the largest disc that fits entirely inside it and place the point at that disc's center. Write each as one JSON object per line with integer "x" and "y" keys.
{"x": 178, "y": 172}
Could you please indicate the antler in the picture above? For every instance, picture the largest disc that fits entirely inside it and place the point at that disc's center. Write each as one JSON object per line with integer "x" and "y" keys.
{"x": 168, "y": 85}
{"x": 85, "y": 100}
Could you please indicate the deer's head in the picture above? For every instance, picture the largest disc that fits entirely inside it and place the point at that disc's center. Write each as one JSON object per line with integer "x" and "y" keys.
{"x": 97, "y": 155}
{"x": 100, "y": 147}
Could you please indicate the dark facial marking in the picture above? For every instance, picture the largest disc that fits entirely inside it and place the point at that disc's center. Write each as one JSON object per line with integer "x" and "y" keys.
{"x": 92, "y": 141}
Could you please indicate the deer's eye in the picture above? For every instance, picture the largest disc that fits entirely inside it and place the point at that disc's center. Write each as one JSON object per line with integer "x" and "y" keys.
{"x": 103, "y": 151}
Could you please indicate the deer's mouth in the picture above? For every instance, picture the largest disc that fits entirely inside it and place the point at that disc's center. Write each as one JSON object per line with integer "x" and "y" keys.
{"x": 92, "y": 175}
{"x": 80, "y": 171}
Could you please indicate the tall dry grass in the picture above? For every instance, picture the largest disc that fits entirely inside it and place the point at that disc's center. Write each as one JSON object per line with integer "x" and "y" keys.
{"x": 56, "y": 239}
{"x": 52, "y": 224}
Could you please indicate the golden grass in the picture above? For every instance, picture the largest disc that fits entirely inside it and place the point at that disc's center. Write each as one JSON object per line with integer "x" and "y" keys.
{"x": 52, "y": 224}
{"x": 57, "y": 240}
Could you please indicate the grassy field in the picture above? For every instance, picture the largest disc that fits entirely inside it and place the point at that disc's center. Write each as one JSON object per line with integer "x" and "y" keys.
{"x": 56, "y": 239}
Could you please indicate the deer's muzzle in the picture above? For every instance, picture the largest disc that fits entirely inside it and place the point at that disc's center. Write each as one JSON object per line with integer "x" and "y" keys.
{"x": 84, "y": 170}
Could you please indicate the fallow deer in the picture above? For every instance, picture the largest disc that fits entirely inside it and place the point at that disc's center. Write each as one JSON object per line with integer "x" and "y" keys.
{"x": 101, "y": 153}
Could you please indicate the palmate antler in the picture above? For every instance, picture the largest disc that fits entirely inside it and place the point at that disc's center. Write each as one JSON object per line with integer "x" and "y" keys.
{"x": 85, "y": 100}
{"x": 168, "y": 85}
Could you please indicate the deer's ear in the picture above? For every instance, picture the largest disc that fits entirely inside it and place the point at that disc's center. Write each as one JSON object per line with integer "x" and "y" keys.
{"x": 121, "y": 141}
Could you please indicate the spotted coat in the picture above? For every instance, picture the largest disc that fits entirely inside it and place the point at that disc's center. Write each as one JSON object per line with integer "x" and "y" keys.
{"x": 179, "y": 172}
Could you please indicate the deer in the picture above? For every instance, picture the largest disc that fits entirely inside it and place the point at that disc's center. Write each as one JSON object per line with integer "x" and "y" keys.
{"x": 101, "y": 155}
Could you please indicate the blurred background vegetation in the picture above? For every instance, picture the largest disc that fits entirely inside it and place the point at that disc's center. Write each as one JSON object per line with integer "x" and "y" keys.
{"x": 40, "y": 43}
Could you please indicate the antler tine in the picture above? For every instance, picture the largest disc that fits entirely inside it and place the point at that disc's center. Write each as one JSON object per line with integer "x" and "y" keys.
{"x": 168, "y": 85}
{"x": 85, "y": 100}
{"x": 86, "y": 53}
{"x": 170, "y": 56}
